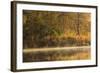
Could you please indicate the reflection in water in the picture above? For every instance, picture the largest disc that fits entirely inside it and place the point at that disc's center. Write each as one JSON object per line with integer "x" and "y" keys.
{"x": 57, "y": 55}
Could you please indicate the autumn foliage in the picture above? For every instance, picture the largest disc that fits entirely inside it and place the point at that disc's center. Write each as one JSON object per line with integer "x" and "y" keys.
{"x": 52, "y": 29}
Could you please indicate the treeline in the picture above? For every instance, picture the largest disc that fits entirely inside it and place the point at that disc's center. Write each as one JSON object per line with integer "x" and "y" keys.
{"x": 52, "y": 29}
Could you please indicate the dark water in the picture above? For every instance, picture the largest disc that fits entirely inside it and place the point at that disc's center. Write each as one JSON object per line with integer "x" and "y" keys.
{"x": 57, "y": 55}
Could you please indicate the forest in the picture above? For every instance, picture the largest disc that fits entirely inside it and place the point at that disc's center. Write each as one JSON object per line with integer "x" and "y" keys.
{"x": 55, "y": 29}
{"x": 56, "y": 36}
